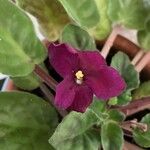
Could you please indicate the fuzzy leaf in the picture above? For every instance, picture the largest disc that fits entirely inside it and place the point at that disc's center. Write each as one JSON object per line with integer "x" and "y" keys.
{"x": 131, "y": 13}
{"x": 116, "y": 115}
{"x": 143, "y": 138}
{"x": 111, "y": 136}
{"x": 26, "y": 122}
{"x": 122, "y": 63}
{"x": 84, "y": 13}
{"x": 74, "y": 133}
{"x": 29, "y": 82}
{"x": 103, "y": 28}
{"x": 20, "y": 49}
{"x": 142, "y": 91}
{"x": 144, "y": 39}
{"x": 77, "y": 37}
{"x": 50, "y": 15}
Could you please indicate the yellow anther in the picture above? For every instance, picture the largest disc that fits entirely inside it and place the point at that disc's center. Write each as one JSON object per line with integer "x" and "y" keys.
{"x": 79, "y": 75}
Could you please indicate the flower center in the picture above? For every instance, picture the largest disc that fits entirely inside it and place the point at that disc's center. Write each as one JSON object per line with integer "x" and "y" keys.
{"x": 79, "y": 77}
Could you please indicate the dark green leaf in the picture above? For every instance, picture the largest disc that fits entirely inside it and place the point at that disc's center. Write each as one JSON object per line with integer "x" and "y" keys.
{"x": 116, "y": 115}
{"x": 111, "y": 136}
{"x": 142, "y": 91}
{"x": 122, "y": 63}
{"x": 50, "y": 15}
{"x": 26, "y": 122}
{"x": 77, "y": 37}
{"x": 131, "y": 13}
{"x": 29, "y": 82}
{"x": 143, "y": 138}
{"x": 103, "y": 28}
{"x": 144, "y": 39}
{"x": 84, "y": 13}
{"x": 72, "y": 133}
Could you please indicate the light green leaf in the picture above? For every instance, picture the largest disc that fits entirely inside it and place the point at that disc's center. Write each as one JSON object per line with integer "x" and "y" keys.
{"x": 77, "y": 37}
{"x": 29, "y": 82}
{"x": 143, "y": 138}
{"x": 20, "y": 49}
{"x": 84, "y": 13}
{"x": 26, "y": 122}
{"x": 131, "y": 13}
{"x": 111, "y": 136}
{"x": 73, "y": 132}
{"x": 142, "y": 91}
{"x": 103, "y": 28}
{"x": 50, "y": 15}
{"x": 144, "y": 39}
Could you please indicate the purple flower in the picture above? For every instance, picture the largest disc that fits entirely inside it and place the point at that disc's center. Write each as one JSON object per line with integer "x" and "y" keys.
{"x": 85, "y": 73}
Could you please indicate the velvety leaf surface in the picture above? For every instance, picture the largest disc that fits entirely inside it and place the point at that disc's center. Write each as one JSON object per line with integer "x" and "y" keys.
{"x": 73, "y": 132}
{"x": 103, "y": 28}
{"x": 111, "y": 136}
{"x": 143, "y": 138}
{"x": 29, "y": 82}
{"x": 20, "y": 49}
{"x": 122, "y": 63}
{"x": 131, "y": 13}
{"x": 50, "y": 15}
{"x": 144, "y": 39}
{"x": 116, "y": 115}
{"x": 142, "y": 91}
{"x": 77, "y": 38}
{"x": 84, "y": 13}
{"x": 26, "y": 122}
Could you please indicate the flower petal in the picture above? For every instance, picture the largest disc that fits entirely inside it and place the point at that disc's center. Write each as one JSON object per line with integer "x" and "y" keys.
{"x": 106, "y": 83}
{"x": 91, "y": 60}
{"x": 63, "y": 58}
{"x": 65, "y": 93}
{"x": 83, "y": 98}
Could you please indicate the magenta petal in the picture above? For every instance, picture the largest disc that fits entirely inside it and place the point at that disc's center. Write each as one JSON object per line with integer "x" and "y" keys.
{"x": 91, "y": 60}
{"x": 63, "y": 58}
{"x": 83, "y": 98}
{"x": 65, "y": 93}
{"x": 106, "y": 83}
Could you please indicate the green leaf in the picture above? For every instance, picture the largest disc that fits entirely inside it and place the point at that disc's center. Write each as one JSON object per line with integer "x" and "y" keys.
{"x": 84, "y": 13}
{"x": 124, "y": 98}
{"x": 142, "y": 91}
{"x": 131, "y": 13}
{"x": 73, "y": 132}
{"x": 111, "y": 136}
{"x": 26, "y": 122}
{"x": 116, "y": 115}
{"x": 144, "y": 39}
{"x": 122, "y": 63}
{"x": 20, "y": 49}
{"x": 29, "y": 82}
{"x": 77, "y": 37}
{"x": 143, "y": 138}
{"x": 103, "y": 28}
{"x": 50, "y": 15}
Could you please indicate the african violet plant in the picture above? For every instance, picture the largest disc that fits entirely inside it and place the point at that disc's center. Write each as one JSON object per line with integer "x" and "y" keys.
{"x": 80, "y": 102}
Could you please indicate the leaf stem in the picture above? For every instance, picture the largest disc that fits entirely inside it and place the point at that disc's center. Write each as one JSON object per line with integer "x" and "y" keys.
{"x": 137, "y": 57}
{"x": 50, "y": 99}
{"x": 109, "y": 42}
{"x": 45, "y": 77}
{"x": 135, "y": 106}
{"x": 144, "y": 61}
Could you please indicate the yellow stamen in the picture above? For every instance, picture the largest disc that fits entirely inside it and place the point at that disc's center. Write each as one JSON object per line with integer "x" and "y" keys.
{"x": 79, "y": 75}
